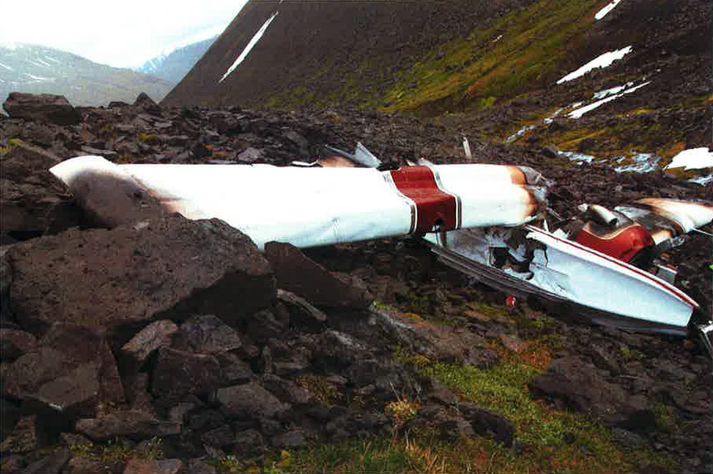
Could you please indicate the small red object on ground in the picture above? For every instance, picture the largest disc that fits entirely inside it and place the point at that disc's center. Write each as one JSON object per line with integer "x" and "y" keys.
{"x": 511, "y": 302}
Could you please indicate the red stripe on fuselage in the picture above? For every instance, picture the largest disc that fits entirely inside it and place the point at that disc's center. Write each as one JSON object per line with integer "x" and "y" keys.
{"x": 433, "y": 206}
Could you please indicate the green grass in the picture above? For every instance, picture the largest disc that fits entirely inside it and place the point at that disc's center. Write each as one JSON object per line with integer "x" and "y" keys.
{"x": 516, "y": 52}
{"x": 114, "y": 454}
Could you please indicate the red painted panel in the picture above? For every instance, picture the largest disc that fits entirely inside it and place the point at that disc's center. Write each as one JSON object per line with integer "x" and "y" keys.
{"x": 433, "y": 205}
{"x": 624, "y": 244}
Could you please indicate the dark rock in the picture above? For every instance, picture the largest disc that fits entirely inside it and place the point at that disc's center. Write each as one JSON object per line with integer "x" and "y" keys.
{"x": 489, "y": 424}
{"x": 579, "y": 386}
{"x": 435, "y": 342}
{"x": 267, "y": 324}
{"x": 299, "y": 274}
{"x": 290, "y": 440}
{"x": 179, "y": 412}
{"x": 550, "y": 151}
{"x": 151, "y": 338}
{"x": 179, "y": 373}
{"x": 71, "y": 371}
{"x": 340, "y": 348}
{"x": 133, "y": 424}
{"x": 250, "y": 155}
{"x": 200, "y": 151}
{"x": 42, "y": 108}
{"x": 233, "y": 370}
{"x": 286, "y": 390}
{"x": 5, "y": 281}
{"x": 168, "y": 266}
{"x": 109, "y": 154}
{"x": 24, "y": 438}
{"x": 137, "y": 391}
{"x": 14, "y": 343}
{"x": 249, "y": 442}
{"x": 32, "y": 201}
{"x": 144, "y": 466}
{"x": 9, "y": 416}
{"x": 249, "y": 401}
{"x": 12, "y": 463}
{"x": 146, "y": 103}
{"x": 628, "y": 440}
{"x": 302, "y": 313}
{"x": 218, "y": 437}
{"x": 224, "y": 123}
{"x": 198, "y": 466}
{"x": 74, "y": 394}
{"x": 449, "y": 424}
{"x": 51, "y": 464}
{"x": 205, "y": 420}
{"x": 207, "y": 335}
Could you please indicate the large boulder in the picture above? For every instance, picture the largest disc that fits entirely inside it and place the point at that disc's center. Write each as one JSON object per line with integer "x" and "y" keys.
{"x": 133, "y": 424}
{"x": 168, "y": 267}
{"x": 70, "y": 372}
{"x": 179, "y": 373}
{"x": 575, "y": 384}
{"x": 303, "y": 276}
{"x": 14, "y": 343}
{"x": 32, "y": 201}
{"x": 42, "y": 108}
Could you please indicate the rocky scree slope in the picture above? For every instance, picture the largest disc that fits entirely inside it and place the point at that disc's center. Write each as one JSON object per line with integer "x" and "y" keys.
{"x": 157, "y": 344}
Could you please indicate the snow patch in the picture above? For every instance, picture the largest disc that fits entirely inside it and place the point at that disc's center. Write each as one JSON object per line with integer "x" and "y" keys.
{"x": 41, "y": 63}
{"x": 603, "y": 61}
{"x": 642, "y": 163}
{"x": 605, "y": 11}
{"x": 612, "y": 91}
{"x": 575, "y": 114}
{"x": 249, "y": 47}
{"x": 38, "y": 78}
{"x": 693, "y": 159}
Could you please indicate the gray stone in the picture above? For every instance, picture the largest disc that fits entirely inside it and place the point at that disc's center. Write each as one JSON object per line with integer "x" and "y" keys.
{"x": 152, "y": 337}
{"x": 179, "y": 373}
{"x": 208, "y": 335}
{"x": 133, "y": 424}
{"x": 249, "y": 401}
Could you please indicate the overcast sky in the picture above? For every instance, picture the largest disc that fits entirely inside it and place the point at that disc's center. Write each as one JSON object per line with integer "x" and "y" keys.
{"x": 122, "y": 33}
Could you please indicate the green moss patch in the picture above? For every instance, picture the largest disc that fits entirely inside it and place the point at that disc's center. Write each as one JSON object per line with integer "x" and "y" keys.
{"x": 515, "y": 52}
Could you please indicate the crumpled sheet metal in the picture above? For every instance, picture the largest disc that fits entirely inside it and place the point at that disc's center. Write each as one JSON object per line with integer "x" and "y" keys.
{"x": 317, "y": 206}
{"x": 566, "y": 271}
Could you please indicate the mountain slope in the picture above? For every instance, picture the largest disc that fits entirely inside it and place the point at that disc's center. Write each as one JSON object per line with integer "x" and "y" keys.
{"x": 174, "y": 66}
{"x": 320, "y": 49}
{"x": 493, "y": 69}
{"x": 38, "y": 69}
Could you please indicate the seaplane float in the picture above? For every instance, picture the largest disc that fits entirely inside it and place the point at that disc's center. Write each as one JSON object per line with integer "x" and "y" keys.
{"x": 490, "y": 222}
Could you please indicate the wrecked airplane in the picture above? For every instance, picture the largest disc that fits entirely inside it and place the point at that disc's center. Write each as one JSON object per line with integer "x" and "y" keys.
{"x": 488, "y": 221}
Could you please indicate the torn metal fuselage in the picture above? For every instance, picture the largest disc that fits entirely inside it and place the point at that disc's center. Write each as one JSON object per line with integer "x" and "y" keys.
{"x": 483, "y": 220}
{"x": 612, "y": 277}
